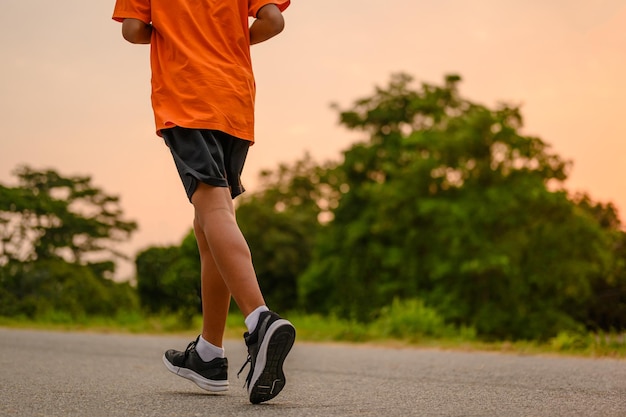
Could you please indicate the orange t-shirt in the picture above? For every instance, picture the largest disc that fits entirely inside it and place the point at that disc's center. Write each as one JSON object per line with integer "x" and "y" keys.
{"x": 200, "y": 58}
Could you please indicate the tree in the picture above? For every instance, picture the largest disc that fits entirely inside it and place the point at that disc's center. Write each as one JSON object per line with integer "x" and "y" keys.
{"x": 151, "y": 265}
{"x": 607, "y": 308}
{"x": 280, "y": 223}
{"x": 48, "y": 216}
{"x": 168, "y": 278}
{"x": 57, "y": 246}
{"x": 448, "y": 202}
{"x": 53, "y": 286}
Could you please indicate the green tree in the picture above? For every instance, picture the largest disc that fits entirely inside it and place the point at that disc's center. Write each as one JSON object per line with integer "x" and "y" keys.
{"x": 607, "y": 308}
{"x": 52, "y": 286}
{"x": 449, "y": 203}
{"x": 57, "y": 246}
{"x": 280, "y": 223}
{"x": 151, "y": 266}
{"x": 49, "y": 216}
{"x": 168, "y": 278}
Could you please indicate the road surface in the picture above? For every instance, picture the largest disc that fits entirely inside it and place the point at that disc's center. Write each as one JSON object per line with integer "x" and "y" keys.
{"x": 85, "y": 374}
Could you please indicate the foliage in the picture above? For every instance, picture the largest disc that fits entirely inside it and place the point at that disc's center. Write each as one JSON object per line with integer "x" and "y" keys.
{"x": 48, "y": 216}
{"x": 57, "y": 247}
{"x": 606, "y": 310}
{"x": 280, "y": 224}
{"x": 448, "y": 202}
{"x": 41, "y": 288}
{"x": 151, "y": 265}
{"x": 411, "y": 319}
{"x": 168, "y": 278}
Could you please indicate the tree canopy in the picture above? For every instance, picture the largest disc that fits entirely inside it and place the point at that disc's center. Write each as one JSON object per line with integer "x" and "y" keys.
{"x": 49, "y": 216}
{"x": 448, "y": 201}
{"x": 58, "y": 237}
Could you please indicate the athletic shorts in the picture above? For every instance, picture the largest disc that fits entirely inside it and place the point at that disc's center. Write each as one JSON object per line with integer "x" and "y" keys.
{"x": 209, "y": 156}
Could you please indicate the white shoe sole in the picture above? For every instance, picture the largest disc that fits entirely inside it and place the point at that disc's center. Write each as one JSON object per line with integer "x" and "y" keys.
{"x": 199, "y": 380}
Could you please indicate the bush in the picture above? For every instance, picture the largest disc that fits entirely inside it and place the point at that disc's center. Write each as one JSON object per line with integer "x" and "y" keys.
{"x": 64, "y": 290}
{"x": 411, "y": 319}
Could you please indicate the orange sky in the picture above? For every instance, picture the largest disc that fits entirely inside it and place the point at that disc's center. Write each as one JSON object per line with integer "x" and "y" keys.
{"x": 75, "y": 97}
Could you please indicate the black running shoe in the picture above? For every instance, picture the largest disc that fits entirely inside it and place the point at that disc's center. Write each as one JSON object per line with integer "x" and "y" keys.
{"x": 268, "y": 346}
{"x": 211, "y": 376}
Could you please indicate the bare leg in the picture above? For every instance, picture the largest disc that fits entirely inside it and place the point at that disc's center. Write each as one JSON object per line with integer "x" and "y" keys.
{"x": 215, "y": 293}
{"x": 226, "y": 261}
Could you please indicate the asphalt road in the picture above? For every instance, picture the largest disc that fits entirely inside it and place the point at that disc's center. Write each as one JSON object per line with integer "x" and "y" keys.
{"x": 83, "y": 374}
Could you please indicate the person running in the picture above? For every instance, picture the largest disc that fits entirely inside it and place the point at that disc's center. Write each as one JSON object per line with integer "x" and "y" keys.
{"x": 203, "y": 91}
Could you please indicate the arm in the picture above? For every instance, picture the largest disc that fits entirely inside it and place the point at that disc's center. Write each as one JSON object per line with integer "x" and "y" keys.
{"x": 269, "y": 23}
{"x": 136, "y": 31}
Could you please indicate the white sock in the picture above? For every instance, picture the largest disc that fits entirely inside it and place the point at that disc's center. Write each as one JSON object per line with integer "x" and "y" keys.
{"x": 208, "y": 351}
{"x": 253, "y": 318}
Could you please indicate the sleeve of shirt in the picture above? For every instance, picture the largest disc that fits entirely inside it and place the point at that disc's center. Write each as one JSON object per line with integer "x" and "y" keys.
{"x": 255, "y": 5}
{"x": 132, "y": 9}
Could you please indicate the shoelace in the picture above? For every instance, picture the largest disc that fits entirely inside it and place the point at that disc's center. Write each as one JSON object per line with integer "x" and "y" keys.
{"x": 248, "y": 361}
{"x": 190, "y": 346}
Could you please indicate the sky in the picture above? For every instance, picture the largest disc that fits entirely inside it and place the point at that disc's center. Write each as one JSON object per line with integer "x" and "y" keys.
{"x": 74, "y": 96}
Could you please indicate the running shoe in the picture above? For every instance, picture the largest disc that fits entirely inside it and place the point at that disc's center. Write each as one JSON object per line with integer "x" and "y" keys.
{"x": 211, "y": 376}
{"x": 268, "y": 346}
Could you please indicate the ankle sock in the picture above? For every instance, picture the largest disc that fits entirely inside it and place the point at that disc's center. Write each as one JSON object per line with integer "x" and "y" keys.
{"x": 208, "y": 351}
{"x": 253, "y": 318}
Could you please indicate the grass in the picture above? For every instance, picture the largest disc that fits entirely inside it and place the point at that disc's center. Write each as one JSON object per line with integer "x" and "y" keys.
{"x": 315, "y": 328}
{"x": 325, "y": 329}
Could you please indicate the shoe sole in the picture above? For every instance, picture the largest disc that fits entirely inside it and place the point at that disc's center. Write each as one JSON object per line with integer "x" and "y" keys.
{"x": 199, "y": 380}
{"x": 268, "y": 378}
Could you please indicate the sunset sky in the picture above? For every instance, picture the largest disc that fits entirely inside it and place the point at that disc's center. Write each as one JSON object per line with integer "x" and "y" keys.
{"x": 75, "y": 97}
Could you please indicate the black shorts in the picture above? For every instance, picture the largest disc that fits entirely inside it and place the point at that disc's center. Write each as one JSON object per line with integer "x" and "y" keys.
{"x": 209, "y": 156}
